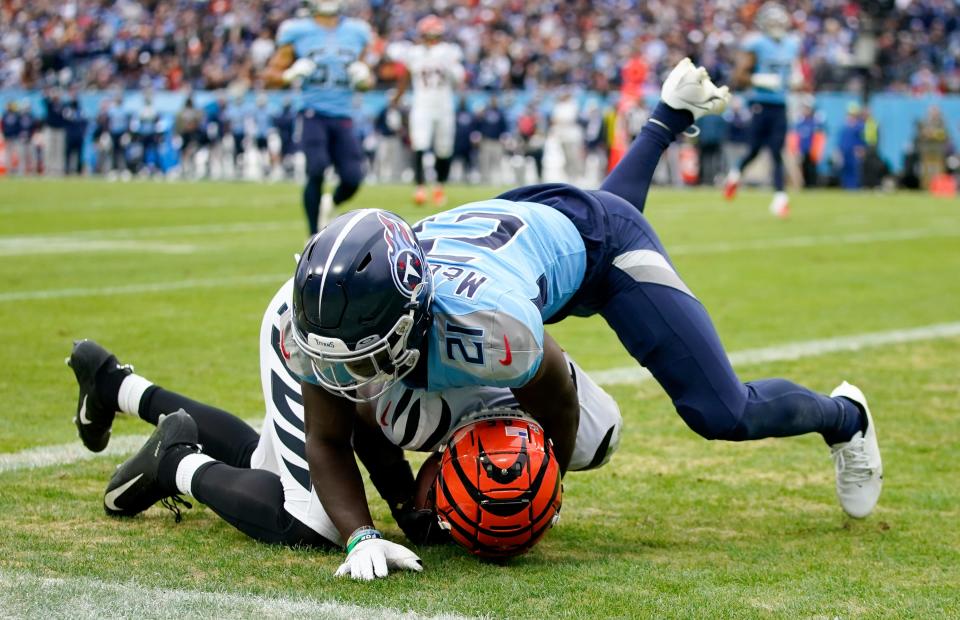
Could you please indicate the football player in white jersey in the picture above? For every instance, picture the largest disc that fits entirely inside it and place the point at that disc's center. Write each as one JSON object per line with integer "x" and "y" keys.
{"x": 434, "y": 71}
{"x": 259, "y": 482}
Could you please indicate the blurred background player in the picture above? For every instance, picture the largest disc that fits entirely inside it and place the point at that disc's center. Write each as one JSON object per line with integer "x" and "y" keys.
{"x": 323, "y": 54}
{"x": 768, "y": 64}
{"x": 434, "y": 69}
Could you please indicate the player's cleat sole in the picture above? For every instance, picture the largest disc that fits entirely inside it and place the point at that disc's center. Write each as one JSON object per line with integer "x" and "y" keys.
{"x": 857, "y": 462}
{"x": 93, "y": 419}
{"x": 135, "y": 486}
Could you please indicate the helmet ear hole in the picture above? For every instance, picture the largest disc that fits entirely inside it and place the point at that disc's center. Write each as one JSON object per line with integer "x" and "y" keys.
{"x": 364, "y": 262}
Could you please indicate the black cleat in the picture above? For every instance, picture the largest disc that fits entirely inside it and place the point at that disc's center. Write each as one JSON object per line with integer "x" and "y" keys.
{"x": 93, "y": 419}
{"x": 136, "y": 485}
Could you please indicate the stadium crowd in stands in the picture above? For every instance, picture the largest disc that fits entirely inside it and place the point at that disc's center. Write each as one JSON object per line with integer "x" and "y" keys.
{"x": 510, "y": 47}
{"x": 508, "y": 44}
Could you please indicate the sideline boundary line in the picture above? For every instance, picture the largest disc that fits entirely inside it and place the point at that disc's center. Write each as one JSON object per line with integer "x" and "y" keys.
{"x": 797, "y": 350}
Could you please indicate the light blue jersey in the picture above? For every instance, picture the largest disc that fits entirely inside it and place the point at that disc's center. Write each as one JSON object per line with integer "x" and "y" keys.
{"x": 772, "y": 56}
{"x": 500, "y": 269}
{"x": 328, "y": 90}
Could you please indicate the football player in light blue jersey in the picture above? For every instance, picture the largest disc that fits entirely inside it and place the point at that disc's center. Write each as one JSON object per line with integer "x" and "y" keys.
{"x": 324, "y": 53}
{"x": 461, "y": 300}
{"x": 768, "y": 65}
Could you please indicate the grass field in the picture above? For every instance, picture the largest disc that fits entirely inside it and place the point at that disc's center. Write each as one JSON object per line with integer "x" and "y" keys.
{"x": 174, "y": 278}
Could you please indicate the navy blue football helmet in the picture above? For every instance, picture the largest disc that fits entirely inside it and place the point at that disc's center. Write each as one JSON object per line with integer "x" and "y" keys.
{"x": 361, "y": 303}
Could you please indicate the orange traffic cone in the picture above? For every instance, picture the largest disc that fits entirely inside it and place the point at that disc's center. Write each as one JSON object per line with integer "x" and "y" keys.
{"x": 944, "y": 186}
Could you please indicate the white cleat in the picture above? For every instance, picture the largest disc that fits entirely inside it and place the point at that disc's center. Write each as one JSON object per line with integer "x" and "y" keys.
{"x": 857, "y": 462}
{"x": 780, "y": 205}
{"x": 326, "y": 211}
{"x": 689, "y": 88}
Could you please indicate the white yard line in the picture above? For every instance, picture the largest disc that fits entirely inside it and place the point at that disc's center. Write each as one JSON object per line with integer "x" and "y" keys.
{"x": 63, "y": 454}
{"x": 743, "y": 245}
{"x": 26, "y": 246}
{"x": 25, "y": 595}
{"x": 155, "y": 231}
{"x": 155, "y": 287}
{"x": 123, "y": 245}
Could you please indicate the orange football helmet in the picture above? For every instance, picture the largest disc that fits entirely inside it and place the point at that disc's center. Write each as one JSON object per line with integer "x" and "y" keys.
{"x": 499, "y": 488}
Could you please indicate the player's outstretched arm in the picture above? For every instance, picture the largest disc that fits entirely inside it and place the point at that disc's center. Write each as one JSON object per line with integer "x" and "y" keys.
{"x": 551, "y": 398}
{"x": 328, "y": 425}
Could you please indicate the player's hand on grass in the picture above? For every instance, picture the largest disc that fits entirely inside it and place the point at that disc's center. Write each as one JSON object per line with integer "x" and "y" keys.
{"x": 370, "y": 556}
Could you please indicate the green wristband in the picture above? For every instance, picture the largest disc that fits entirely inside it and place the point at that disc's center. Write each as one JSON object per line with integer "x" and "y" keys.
{"x": 361, "y": 534}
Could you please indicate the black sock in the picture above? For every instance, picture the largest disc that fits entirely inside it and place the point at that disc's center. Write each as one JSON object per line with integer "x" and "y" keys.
{"x": 167, "y": 473}
{"x": 419, "y": 176}
{"x": 851, "y": 420}
{"x": 443, "y": 169}
{"x": 311, "y": 201}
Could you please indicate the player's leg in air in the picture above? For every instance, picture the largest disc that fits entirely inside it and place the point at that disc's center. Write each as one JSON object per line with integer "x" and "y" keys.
{"x": 677, "y": 342}
{"x": 636, "y": 288}
{"x": 258, "y": 483}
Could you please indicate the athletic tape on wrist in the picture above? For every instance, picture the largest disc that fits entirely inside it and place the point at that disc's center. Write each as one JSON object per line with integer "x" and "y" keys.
{"x": 361, "y": 534}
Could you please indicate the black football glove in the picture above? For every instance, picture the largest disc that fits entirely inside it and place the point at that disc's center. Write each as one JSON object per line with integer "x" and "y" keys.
{"x": 420, "y": 525}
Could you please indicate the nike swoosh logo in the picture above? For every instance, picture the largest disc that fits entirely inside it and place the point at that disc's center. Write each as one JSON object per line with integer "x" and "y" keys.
{"x": 507, "y": 357}
{"x": 83, "y": 411}
{"x": 386, "y": 410}
{"x": 110, "y": 498}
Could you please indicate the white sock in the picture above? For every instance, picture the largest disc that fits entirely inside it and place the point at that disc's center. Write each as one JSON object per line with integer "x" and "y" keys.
{"x": 131, "y": 391}
{"x": 733, "y": 176}
{"x": 187, "y": 469}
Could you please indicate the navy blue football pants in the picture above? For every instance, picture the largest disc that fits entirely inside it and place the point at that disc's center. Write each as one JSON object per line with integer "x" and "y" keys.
{"x": 768, "y": 129}
{"x": 326, "y": 141}
{"x": 632, "y": 283}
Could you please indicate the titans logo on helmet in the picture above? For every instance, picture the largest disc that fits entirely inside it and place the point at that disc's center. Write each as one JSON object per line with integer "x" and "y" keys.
{"x": 407, "y": 266}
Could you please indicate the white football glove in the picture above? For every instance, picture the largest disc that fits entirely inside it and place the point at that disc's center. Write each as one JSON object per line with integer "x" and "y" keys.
{"x": 300, "y": 69}
{"x": 360, "y": 75}
{"x": 689, "y": 88}
{"x": 769, "y": 81}
{"x": 375, "y": 557}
